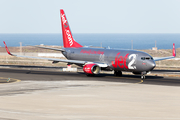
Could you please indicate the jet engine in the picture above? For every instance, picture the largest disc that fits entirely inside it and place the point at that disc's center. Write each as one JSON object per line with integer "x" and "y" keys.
{"x": 91, "y": 69}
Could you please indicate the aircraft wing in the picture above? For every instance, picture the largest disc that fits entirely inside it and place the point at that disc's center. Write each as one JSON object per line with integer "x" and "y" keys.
{"x": 49, "y": 48}
{"x": 165, "y": 58}
{"x": 57, "y": 60}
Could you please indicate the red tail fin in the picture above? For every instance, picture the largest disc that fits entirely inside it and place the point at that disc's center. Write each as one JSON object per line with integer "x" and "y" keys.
{"x": 68, "y": 40}
{"x": 174, "y": 50}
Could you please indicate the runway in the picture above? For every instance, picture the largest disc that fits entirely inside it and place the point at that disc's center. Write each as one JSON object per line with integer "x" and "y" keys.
{"x": 41, "y": 75}
{"x": 56, "y": 95}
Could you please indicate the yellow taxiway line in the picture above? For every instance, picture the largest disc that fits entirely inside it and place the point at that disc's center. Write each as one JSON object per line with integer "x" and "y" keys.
{"x": 11, "y": 80}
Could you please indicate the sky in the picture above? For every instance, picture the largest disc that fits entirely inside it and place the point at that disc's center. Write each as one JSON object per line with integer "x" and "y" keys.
{"x": 90, "y": 16}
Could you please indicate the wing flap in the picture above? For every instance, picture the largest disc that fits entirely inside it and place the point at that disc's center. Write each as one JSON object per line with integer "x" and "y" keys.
{"x": 103, "y": 65}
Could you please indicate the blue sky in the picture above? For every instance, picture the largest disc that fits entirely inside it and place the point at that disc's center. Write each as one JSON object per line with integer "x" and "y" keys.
{"x": 90, "y": 16}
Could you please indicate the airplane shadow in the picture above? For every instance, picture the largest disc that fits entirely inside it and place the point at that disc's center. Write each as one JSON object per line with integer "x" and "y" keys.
{"x": 124, "y": 76}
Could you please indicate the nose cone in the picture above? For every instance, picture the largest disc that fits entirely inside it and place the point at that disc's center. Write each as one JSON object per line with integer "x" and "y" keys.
{"x": 152, "y": 65}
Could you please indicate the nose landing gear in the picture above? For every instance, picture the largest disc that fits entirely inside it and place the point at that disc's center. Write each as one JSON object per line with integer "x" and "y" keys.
{"x": 143, "y": 75}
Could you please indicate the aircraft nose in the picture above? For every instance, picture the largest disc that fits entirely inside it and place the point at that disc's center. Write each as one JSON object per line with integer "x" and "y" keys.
{"x": 153, "y": 65}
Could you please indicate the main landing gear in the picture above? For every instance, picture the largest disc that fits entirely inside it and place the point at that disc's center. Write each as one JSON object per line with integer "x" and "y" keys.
{"x": 143, "y": 75}
{"x": 118, "y": 73}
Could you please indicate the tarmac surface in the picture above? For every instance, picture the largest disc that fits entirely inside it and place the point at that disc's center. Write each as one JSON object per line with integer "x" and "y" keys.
{"x": 55, "y": 95}
{"x": 55, "y": 75}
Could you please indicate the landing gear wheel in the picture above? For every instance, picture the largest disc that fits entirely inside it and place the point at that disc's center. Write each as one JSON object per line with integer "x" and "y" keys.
{"x": 118, "y": 73}
{"x": 143, "y": 77}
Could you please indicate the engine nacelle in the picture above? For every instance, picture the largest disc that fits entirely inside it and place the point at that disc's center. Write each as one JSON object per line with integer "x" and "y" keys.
{"x": 91, "y": 69}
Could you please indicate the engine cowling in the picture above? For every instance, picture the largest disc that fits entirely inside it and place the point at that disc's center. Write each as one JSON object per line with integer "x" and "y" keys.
{"x": 91, "y": 69}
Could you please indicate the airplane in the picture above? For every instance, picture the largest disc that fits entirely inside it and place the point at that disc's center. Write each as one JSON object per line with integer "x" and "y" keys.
{"x": 93, "y": 60}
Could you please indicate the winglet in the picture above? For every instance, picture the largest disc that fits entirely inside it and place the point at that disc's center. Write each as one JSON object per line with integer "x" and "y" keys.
{"x": 174, "y": 50}
{"x": 7, "y": 48}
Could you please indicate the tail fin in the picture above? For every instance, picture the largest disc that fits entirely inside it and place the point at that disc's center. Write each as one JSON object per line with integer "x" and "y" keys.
{"x": 68, "y": 40}
{"x": 174, "y": 50}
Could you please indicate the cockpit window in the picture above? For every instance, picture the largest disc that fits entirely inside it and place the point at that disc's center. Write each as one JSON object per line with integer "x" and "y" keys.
{"x": 143, "y": 58}
{"x": 146, "y": 58}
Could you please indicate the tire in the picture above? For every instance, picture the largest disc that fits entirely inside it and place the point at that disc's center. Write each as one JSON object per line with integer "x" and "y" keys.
{"x": 143, "y": 77}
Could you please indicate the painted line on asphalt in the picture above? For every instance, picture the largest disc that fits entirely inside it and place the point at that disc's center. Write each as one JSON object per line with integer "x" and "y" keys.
{"x": 9, "y": 80}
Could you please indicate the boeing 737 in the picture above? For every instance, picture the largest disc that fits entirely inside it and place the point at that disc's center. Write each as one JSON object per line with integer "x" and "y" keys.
{"x": 93, "y": 60}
